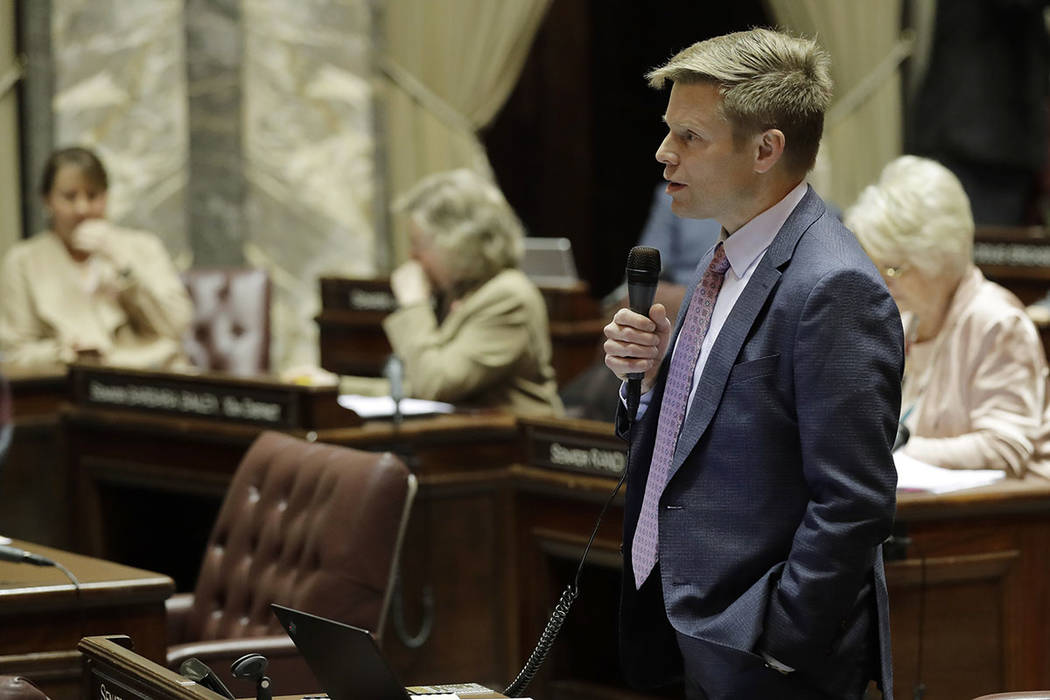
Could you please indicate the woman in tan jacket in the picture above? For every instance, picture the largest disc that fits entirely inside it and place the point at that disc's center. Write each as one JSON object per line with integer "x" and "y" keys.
{"x": 975, "y": 389}
{"x": 488, "y": 345}
{"x": 86, "y": 289}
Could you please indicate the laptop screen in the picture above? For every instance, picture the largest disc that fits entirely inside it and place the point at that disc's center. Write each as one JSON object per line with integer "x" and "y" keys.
{"x": 344, "y": 658}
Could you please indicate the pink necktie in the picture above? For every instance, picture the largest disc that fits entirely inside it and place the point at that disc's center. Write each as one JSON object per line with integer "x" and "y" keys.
{"x": 672, "y": 411}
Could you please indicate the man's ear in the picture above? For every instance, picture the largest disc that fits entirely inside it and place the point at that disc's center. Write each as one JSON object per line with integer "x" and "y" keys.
{"x": 770, "y": 147}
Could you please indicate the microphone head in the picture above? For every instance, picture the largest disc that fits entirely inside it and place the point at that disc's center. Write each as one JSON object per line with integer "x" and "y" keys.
{"x": 644, "y": 259}
{"x": 903, "y": 435}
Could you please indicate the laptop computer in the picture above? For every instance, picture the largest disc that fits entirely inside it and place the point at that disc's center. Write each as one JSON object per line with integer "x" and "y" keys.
{"x": 549, "y": 262}
{"x": 347, "y": 662}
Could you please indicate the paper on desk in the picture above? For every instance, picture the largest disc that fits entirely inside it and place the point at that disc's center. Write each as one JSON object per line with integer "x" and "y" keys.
{"x": 919, "y": 476}
{"x": 383, "y": 406}
{"x": 443, "y": 696}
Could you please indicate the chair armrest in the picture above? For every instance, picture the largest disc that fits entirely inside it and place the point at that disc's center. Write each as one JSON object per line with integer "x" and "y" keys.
{"x": 19, "y": 688}
{"x": 287, "y": 670}
{"x": 177, "y": 611}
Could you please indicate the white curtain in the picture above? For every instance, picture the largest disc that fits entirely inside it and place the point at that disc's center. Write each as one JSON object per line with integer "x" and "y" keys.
{"x": 448, "y": 68}
{"x": 863, "y": 129}
{"x": 10, "y": 72}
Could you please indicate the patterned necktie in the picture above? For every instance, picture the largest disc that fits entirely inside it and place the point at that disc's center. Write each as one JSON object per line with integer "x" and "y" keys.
{"x": 672, "y": 411}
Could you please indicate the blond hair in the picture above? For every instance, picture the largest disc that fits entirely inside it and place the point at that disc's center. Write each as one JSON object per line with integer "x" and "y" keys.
{"x": 768, "y": 80}
{"x": 917, "y": 213}
{"x": 467, "y": 218}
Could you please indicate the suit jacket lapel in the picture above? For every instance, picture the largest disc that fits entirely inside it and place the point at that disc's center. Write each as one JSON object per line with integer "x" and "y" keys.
{"x": 737, "y": 326}
{"x": 723, "y": 355}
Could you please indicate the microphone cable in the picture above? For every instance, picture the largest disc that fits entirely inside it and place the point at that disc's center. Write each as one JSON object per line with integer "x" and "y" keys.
{"x": 561, "y": 609}
{"x": 919, "y": 691}
{"x": 393, "y": 370}
{"x": 21, "y": 556}
{"x": 643, "y": 273}
{"x": 69, "y": 574}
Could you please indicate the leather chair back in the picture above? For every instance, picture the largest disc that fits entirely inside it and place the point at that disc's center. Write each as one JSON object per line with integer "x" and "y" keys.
{"x": 18, "y": 688}
{"x": 311, "y": 526}
{"x": 1020, "y": 695}
{"x": 231, "y": 319}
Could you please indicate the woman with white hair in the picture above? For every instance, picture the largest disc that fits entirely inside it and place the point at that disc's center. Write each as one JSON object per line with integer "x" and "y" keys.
{"x": 975, "y": 390}
{"x": 488, "y": 345}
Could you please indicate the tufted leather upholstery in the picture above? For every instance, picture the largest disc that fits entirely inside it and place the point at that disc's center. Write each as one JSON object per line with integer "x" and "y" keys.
{"x": 1022, "y": 695}
{"x": 230, "y": 331}
{"x": 312, "y": 526}
{"x": 18, "y": 688}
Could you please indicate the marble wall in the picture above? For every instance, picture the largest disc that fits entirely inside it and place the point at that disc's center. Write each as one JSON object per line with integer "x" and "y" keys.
{"x": 35, "y": 119}
{"x": 308, "y": 155}
{"x": 120, "y": 86}
{"x": 240, "y": 131}
{"x": 215, "y": 191}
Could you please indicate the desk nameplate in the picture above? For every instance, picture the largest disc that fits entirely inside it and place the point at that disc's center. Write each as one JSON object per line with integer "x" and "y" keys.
{"x": 357, "y": 294}
{"x": 222, "y": 398}
{"x": 553, "y": 445}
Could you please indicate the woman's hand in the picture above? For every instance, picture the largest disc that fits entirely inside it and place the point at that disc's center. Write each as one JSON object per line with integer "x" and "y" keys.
{"x": 95, "y": 237}
{"x": 410, "y": 284}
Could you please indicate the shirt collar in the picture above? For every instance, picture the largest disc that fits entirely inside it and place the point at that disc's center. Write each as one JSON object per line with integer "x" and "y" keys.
{"x": 748, "y": 243}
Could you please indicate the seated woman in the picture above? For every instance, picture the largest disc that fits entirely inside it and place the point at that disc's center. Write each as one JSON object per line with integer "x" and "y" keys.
{"x": 491, "y": 345}
{"x": 975, "y": 390}
{"x": 86, "y": 289}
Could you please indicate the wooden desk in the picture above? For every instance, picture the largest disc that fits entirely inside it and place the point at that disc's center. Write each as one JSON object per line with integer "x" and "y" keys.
{"x": 977, "y": 574}
{"x": 150, "y": 448}
{"x": 353, "y": 341}
{"x": 504, "y": 510}
{"x": 32, "y": 479}
{"x": 111, "y": 671}
{"x": 1018, "y": 258}
{"x": 149, "y": 486}
{"x": 43, "y": 616}
{"x": 977, "y": 570}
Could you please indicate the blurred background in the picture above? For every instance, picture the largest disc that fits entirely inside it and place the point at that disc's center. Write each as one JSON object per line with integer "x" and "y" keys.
{"x": 275, "y": 133}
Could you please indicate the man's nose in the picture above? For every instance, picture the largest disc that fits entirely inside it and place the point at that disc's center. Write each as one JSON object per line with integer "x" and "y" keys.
{"x": 664, "y": 154}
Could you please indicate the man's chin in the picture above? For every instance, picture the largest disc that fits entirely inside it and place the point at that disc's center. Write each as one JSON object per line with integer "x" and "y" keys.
{"x": 681, "y": 209}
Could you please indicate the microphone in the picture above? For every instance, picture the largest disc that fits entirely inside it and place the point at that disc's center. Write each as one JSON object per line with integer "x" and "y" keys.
{"x": 198, "y": 672}
{"x": 394, "y": 371}
{"x": 643, "y": 274}
{"x": 253, "y": 667}
{"x": 903, "y": 434}
{"x": 21, "y": 556}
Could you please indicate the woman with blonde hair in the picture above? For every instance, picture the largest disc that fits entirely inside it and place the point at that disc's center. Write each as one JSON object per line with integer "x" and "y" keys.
{"x": 975, "y": 390}
{"x": 488, "y": 344}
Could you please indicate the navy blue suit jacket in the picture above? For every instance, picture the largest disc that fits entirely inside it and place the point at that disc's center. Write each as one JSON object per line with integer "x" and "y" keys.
{"x": 783, "y": 485}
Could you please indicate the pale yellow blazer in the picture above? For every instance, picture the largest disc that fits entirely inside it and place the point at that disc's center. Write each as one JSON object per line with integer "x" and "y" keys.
{"x": 492, "y": 350}
{"x": 136, "y": 320}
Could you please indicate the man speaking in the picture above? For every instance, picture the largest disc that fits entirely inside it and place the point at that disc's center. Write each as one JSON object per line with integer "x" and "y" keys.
{"x": 761, "y": 481}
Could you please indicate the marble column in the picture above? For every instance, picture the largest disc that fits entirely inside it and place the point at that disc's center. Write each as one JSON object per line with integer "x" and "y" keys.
{"x": 37, "y": 121}
{"x": 120, "y": 88}
{"x": 308, "y": 155}
{"x": 215, "y": 191}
